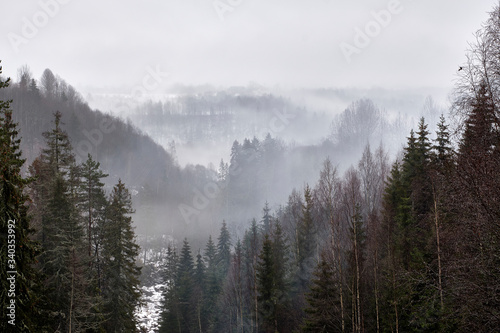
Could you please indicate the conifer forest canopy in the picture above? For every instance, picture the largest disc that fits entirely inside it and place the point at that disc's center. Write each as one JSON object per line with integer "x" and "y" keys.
{"x": 316, "y": 198}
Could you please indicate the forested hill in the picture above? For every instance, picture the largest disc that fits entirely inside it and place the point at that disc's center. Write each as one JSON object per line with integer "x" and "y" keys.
{"x": 269, "y": 161}
{"x": 123, "y": 151}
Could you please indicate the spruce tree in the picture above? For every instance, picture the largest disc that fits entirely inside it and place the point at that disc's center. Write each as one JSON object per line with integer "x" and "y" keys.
{"x": 120, "y": 271}
{"x": 265, "y": 282}
{"x": 93, "y": 203}
{"x": 199, "y": 294}
{"x": 323, "y": 311}
{"x": 442, "y": 146}
{"x": 185, "y": 288}
{"x": 266, "y": 219}
{"x": 60, "y": 231}
{"x": 282, "y": 283}
{"x": 169, "y": 318}
{"x": 223, "y": 257}
{"x": 18, "y": 251}
{"x": 212, "y": 284}
{"x": 251, "y": 249}
{"x": 306, "y": 242}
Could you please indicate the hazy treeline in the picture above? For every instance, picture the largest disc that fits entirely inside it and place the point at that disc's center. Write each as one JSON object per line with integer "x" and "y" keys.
{"x": 380, "y": 248}
{"x": 407, "y": 247}
{"x": 162, "y": 186}
{"x": 118, "y": 146}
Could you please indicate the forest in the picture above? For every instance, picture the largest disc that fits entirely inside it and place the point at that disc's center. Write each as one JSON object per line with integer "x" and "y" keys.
{"x": 395, "y": 242}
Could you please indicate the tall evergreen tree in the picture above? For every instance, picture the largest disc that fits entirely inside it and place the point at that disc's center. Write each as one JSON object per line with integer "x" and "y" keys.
{"x": 93, "y": 203}
{"x": 442, "y": 146}
{"x": 199, "y": 280}
{"x": 306, "y": 242}
{"x": 282, "y": 283}
{"x": 121, "y": 273}
{"x": 212, "y": 284}
{"x": 323, "y": 311}
{"x": 18, "y": 251}
{"x": 223, "y": 257}
{"x": 265, "y": 282}
{"x": 185, "y": 288}
{"x": 60, "y": 231}
{"x": 266, "y": 219}
{"x": 169, "y": 318}
{"x": 251, "y": 249}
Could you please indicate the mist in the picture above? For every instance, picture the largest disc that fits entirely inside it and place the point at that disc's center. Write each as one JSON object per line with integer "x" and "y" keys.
{"x": 260, "y": 125}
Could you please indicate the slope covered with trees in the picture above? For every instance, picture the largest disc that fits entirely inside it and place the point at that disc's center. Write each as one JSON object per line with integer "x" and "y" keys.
{"x": 71, "y": 251}
{"x": 411, "y": 247}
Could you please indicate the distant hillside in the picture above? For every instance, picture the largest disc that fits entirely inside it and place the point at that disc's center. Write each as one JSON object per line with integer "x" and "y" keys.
{"x": 157, "y": 183}
{"x": 194, "y": 199}
{"x": 123, "y": 151}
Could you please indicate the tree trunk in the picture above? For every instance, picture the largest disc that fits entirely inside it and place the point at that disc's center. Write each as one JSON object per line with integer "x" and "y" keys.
{"x": 376, "y": 290}
{"x": 72, "y": 292}
{"x": 436, "y": 220}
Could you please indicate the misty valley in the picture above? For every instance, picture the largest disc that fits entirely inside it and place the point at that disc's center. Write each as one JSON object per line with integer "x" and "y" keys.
{"x": 253, "y": 209}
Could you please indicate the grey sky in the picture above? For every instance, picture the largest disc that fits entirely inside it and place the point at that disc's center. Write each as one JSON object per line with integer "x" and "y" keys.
{"x": 293, "y": 43}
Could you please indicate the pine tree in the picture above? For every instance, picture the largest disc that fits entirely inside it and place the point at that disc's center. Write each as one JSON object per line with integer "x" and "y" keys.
{"x": 212, "y": 284}
{"x": 185, "y": 287}
{"x": 199, "y": 279}
{"x": 93, "y": 203}
{"x": 306, "y": 242}
{"x": 282, "y": 283}
{"x": 266, "y": 219}
{"x": 18, "y": 251}
{"x": 475, "y": 199}
{"x": 323, "y": 311}
{"x": 60, "y": 231}
{"x": 358, "y": 238}
{"x": 251, "y": 249}
{"x": 169, "y": 318}
{"x": 121, "y": 273}
{"x": 273, "y": 283}
{"x": 442, "y": 146}
{"x": 223, "y": 257}
{"x": 265, "y": 282}
{"x": 480, "y": 135}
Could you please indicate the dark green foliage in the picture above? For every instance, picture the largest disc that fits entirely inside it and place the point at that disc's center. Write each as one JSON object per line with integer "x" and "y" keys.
{"x": 16, "y": 229}
{"x": 265, "y": 282}
{"x": 266, "y": 219}
{"x": 273, "y": 283}
{"x": 121, "y": 273}
{"x": 251, "y": 248}
{"x": 185, "y": 286}
{"x": 306, "y": 242}
{"x": 323, "y": 311}
{"x": 170, "y": 319}
{"x": 223, "y": 256}
{"x": 443, "y": 152}
{"x": 212, "y": 283}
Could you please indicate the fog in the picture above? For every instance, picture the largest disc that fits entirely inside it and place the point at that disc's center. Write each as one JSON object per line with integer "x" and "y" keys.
{"x": 108, "y": 46}
{"x": 251, "y": 115}
{"x": 197, "y": 76}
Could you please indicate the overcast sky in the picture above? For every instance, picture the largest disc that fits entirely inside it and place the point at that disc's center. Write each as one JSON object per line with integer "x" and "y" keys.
{"x": 287, "y": 43}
